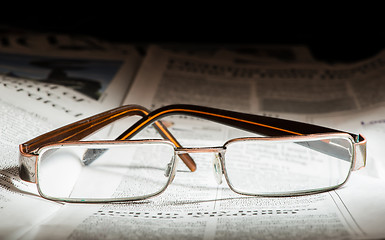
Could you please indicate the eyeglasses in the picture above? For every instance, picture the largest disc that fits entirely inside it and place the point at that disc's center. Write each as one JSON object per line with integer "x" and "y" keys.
{"x": 293, "y": 158}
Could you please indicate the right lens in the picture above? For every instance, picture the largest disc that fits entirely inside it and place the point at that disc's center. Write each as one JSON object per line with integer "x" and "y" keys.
{"x": 105, "y": 171}
{"x": 288, "y": 166}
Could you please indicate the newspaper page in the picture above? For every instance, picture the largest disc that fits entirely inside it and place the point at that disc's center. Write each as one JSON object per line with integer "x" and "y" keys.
{"x": 345, "y": 97}
{"x": 205, "y": 211}
{"x": 194, "y": 206}
{"x": 19, "y": 211}
{"x": 216, "y": 217}
{"x": 40, "y": 91}
{"x": 265, "y": 54}
{"x": 75, "y": 83}
{"x": 261, "y": 53}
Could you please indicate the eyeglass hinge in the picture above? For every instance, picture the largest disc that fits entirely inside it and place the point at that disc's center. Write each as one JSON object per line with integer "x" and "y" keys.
{"x": 27, "y": 166}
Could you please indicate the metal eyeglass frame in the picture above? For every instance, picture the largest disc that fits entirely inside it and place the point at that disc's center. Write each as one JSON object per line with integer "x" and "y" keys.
{"x": 273, "y": 128}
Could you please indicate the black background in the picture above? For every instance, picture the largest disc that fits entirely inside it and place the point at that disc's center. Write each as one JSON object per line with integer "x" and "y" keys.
{"x": 331, "y": 36}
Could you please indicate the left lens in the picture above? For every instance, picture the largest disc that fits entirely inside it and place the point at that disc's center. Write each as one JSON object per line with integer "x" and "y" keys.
{"x": 104, "y": 172}
{"x": 287, "y": 166}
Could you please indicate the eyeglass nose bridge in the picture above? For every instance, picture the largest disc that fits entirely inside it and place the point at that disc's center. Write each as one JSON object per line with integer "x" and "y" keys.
{"x": 217, "y": 160}
{"x": 200, "y": 150}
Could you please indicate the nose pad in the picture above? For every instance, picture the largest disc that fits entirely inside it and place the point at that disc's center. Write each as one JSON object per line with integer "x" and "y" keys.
{"x": 217, "y": 170}
{"x": 167, "y": 170}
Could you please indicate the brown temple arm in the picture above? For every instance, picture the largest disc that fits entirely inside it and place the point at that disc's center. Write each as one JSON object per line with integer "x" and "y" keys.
{"x": 83, "y": 128}
{"x": 263, "y": 125}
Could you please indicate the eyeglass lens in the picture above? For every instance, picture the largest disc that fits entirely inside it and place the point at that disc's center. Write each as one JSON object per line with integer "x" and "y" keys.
{"x": 285, "y": 167}
{"x": 118, "y": 171}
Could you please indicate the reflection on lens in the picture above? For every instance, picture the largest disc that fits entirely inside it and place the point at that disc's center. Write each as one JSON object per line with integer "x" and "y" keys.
{"x": 277, "y": 167}
{"x": 89, "y": 172}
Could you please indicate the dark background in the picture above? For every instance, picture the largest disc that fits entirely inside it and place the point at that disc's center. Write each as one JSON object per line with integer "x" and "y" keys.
{"x": 331, "y": 36}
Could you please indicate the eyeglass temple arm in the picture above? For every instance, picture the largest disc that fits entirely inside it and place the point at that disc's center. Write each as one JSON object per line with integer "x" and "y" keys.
{"x": 267, "y": 126}
{"x": 80, "y": 129}
{"x": 263, "y": 125}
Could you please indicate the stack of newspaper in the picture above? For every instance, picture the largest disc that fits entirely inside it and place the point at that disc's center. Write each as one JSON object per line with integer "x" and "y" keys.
{"x": 47, "y": 81}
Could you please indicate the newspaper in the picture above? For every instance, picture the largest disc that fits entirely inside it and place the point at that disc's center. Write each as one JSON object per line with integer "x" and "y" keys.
{"x": 276, "y": 88}
{"x": 33, "y": 101}
{"x": 74, "y": 84}
{"x": 194, "y": 206}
